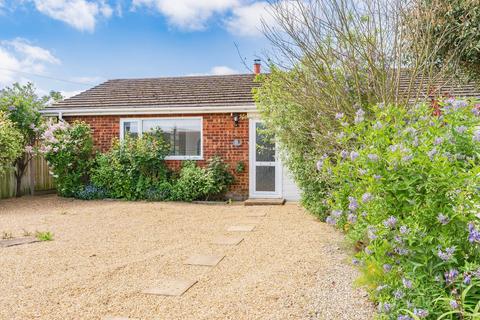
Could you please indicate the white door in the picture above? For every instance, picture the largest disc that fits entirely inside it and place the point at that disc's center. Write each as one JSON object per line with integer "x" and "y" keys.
{"x": 265, "y": 168}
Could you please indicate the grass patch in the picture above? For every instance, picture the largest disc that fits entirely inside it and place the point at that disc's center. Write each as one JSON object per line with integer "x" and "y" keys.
{"x": 44, "y": 236}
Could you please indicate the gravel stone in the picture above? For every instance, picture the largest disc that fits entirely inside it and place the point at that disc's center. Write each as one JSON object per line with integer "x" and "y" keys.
{"x": 105, "y": 253}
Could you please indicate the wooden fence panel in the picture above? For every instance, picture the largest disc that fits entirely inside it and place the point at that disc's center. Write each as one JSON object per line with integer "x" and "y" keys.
{"x": 43, "y": 178}
{"x": 36, "y": 178}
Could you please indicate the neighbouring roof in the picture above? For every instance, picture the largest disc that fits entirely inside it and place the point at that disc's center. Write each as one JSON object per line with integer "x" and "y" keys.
{"x": 157, "y": 93}
{"x": 440, "y": 88}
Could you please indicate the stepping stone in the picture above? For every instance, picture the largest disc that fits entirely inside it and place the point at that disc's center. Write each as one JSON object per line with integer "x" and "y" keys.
{"x": 171, "y": 287}
{"x": 227, "y": 241}
{"x": 250, "y": 221}
{"x": 256, "y": 214}
{"x": 241, "y": 228}
{"x": 17, "y": 241}
{"x": 202, "y": 260}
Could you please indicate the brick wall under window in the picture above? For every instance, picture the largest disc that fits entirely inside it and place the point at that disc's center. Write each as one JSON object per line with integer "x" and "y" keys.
{"x": 219, "y": 133}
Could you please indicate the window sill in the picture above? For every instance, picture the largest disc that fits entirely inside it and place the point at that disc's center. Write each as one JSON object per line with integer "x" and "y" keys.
{"x": 183, "y": 158}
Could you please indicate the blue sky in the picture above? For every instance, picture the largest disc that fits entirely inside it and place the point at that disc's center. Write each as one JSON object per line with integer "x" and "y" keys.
{"x": 89, "y": 41}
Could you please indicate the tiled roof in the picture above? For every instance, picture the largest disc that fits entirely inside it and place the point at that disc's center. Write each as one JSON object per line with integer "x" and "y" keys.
{"x": 438, "y": 88}
{"x": 209, "y": 91}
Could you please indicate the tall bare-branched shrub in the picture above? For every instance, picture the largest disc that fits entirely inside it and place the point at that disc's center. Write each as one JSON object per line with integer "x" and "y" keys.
{"x": 334, "y": 57}
{"x": 456, "y": 21}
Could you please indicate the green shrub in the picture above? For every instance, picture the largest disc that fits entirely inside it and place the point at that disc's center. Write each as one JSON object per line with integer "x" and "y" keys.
{"x": 195, "y": 183}
{"x": 22, "y": 106}
{"x": 11, "y": 143}
{"x": 221, "y": 176}
{"x": 132, "y": 167}
{"x": 292, "y": 115}
{"x": 405, "y": 189}
{"x": 69, "y": 152}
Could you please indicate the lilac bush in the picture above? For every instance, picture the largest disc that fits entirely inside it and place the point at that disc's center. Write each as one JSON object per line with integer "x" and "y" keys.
{"x": 408, "y": 197}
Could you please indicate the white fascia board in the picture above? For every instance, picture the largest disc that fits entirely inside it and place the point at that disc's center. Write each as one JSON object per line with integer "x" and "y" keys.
{"x": 149, "y": 110}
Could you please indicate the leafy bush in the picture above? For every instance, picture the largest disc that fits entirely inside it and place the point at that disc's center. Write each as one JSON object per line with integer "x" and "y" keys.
{"x": 11, "y": 142}
{"x": 301, "y": 127}
{"x": 22, "y": 106}
{"x": 221, "y": 176}
{"x": 69, "y": 152}
{"x": 405, "y": 189}
{"x": 132, "y": 167}
{"x": 195, "y": 183}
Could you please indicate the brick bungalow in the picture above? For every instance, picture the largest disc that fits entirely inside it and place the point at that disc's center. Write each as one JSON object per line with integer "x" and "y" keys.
{"x": 202, "y": 116}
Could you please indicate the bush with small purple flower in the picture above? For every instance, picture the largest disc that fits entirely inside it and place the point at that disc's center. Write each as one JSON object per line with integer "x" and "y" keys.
{"x": 417, "y": 217}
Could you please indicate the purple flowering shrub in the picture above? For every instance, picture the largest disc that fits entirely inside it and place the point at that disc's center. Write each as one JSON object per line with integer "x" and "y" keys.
{"x": 68, "y": 149}
{"x": 407, "y": 191}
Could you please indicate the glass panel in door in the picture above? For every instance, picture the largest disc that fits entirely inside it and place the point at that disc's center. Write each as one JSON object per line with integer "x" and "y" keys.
{"x": 265, "y": 162}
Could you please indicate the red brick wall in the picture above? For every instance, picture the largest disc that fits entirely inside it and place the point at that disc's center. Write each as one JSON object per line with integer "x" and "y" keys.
{"x": 218, "y": 135}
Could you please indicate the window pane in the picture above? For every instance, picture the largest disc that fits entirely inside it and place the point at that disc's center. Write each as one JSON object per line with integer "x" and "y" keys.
{"x": 184, "y": 135}
{"x": 265, "y": 149}
{"x": 130, "y": 129}
{"x": 165, "y": 125}
{"x": 265, "y": 178}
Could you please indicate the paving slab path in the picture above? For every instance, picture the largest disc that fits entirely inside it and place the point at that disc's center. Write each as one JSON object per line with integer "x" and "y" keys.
{"x": 105, "y": 253}
{"x": 227, "y": 241}
{"x": 241, "y": 228}
{"x": 204, "y": 260}
{"x": 171, "y": 287}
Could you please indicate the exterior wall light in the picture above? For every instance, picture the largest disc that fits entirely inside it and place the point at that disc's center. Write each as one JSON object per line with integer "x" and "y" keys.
{"x": 236, "y": 119}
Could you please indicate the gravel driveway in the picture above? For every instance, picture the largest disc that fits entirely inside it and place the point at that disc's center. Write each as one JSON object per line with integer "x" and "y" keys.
{"x": 105, "y": 253}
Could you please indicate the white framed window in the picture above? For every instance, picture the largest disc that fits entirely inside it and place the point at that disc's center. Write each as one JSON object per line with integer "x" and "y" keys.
{"x": 184, "y": 134}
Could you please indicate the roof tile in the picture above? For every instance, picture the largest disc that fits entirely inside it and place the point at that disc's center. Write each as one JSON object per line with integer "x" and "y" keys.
{"x": 211, "y": 91}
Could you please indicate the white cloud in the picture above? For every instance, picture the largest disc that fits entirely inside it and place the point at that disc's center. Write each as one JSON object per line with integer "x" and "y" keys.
{"x": 30, "y": 52}
{"x": 80, "y": 14}
{"x": 20, "y": 55}
{"x": 68, "y": 94}
{"x": 247, "y": 20}
{"x": 188, "y": 14}
{"x": 215, "y": 71}
{"x": 241, "y": 17}
{"x": 21, "y": 61}
{"x": 222, "y": 70}
{"x": 7, "y": 63}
